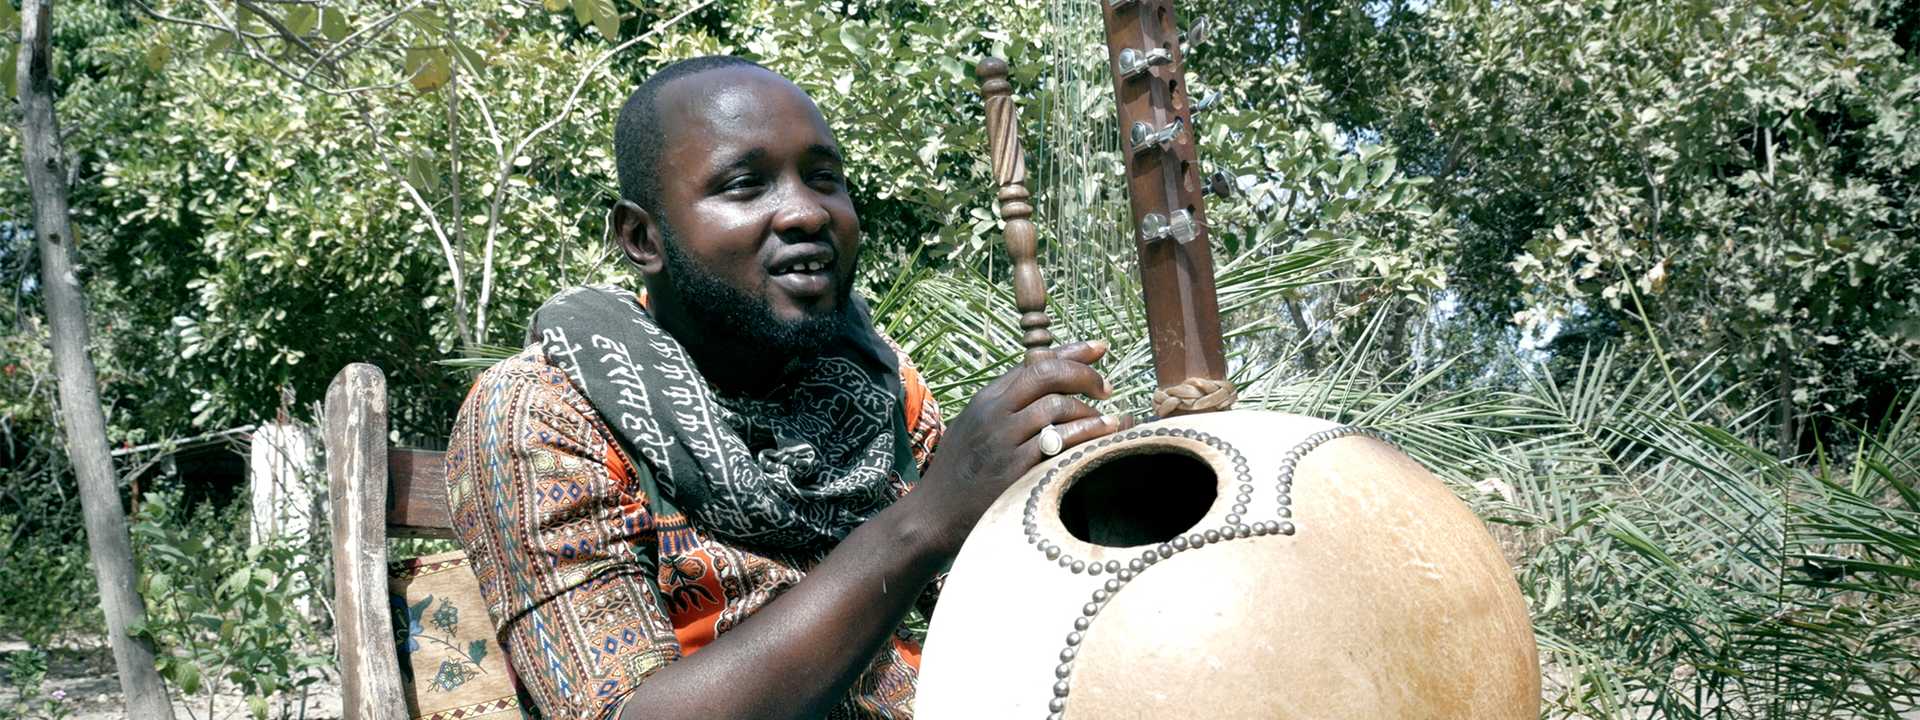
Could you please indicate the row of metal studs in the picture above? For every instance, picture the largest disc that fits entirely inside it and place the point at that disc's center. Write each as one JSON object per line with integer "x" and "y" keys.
{"x": 1063, "y": 674}
{"x": 1055, "y": 553}
{"x": 1292, "y": 458}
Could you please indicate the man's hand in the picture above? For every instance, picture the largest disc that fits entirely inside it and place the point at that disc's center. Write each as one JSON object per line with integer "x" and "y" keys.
{"x": 797, "y": 656}
{"x": 996, "y": 440}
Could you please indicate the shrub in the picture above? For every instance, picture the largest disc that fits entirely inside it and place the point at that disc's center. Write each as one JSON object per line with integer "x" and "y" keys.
{"x": 219, "y": 610}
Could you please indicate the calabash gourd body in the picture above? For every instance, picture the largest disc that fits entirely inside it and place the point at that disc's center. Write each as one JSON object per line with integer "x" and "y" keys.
{"x": 1230, "y": 565}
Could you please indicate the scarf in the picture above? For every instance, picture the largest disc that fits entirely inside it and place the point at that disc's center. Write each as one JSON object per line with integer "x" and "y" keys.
{"x": 797, "y": 470}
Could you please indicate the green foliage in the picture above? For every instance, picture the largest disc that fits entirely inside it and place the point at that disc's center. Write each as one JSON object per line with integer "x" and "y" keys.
{"x": 47, "y": 592}
{"x": 1676, "y": 567}
{"x": 265, "y": 208}
{"x": 26, "y": 673}
{"x": 48, "y": 589}
{"x": 223, "y": 612}
{"x": 1737, "y": 179}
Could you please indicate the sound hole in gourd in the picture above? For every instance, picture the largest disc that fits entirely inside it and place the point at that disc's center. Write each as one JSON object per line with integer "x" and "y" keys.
{"x": 1139, "y": 498}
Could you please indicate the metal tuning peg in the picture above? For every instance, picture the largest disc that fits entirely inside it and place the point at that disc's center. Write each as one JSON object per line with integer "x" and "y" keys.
{"x": 1133, "y": 62}
{"x": 1195, "y": 36}
{"x": 1221, "y": 185}
{"x": 1145, "y": 136}
{"x": 1206, "y": 103}
{"x": 1177, "y": 226}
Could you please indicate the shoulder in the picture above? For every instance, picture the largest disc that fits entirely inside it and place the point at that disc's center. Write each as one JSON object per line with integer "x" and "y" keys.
{"x": 528, "y": 386}
{"x": 525, "y": 374}
{"x": 523, "y": 417}
{"x": 528, "y": 364}
{"x": 583, "y": 306}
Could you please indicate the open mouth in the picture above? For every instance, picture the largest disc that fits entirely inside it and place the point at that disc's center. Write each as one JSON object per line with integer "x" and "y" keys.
{"x": 810, "y": 266}
{"x": 807, "y": 273}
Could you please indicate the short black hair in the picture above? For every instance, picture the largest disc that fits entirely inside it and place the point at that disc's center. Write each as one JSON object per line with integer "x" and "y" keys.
{"x": 638, "y": 136}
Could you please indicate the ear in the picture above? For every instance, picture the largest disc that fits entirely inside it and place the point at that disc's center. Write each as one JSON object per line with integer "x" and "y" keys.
{"x": 638, "y": 234}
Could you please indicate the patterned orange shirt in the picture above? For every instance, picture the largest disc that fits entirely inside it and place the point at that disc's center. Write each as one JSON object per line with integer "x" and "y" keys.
{"x": 590, "y": 590}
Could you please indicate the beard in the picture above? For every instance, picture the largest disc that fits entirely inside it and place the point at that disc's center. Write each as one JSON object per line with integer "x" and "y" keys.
{"x": 734, "y": 321}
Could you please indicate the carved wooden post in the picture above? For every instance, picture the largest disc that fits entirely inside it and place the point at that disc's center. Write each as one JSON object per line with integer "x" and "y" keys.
{"x": 1022, "y": 238}
{"x": 357, "y": 482}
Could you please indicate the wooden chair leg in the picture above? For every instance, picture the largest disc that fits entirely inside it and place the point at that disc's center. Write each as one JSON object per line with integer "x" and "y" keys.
{"x": 356, "y": 442}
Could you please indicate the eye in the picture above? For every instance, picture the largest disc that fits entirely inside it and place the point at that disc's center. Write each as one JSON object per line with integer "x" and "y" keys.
{"x": 827, "y": 178}
{"x": 744, "y": 184}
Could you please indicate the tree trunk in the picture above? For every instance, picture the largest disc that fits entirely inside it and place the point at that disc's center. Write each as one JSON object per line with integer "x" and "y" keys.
{"x": 1785, "y": 414}
{"x": 1309, "y": 348}
{"x": 1396, "y": 342}
{"x": 85, "y": 424}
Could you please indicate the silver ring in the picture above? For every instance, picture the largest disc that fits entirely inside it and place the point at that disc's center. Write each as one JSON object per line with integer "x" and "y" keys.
{"x": 1051, "y": 443}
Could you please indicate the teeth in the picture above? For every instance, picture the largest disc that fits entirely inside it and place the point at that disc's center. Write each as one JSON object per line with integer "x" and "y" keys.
{"x": 807, "y": 267}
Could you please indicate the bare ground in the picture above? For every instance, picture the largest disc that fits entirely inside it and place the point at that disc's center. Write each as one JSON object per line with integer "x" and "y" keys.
{"x": 84, "y": 672}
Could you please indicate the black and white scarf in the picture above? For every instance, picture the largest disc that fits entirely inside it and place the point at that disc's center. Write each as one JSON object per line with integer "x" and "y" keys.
{"x": 796, "y": 471}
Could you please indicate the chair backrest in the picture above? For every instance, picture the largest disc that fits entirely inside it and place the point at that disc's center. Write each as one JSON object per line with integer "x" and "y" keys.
{"x": 375, "y": 492}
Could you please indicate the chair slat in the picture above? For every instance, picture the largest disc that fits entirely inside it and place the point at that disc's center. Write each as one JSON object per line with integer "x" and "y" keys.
{"x": 417, "y": 498}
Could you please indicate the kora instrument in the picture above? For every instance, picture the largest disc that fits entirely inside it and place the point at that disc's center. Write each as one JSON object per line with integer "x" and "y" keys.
{"x": 1213, "y": 563}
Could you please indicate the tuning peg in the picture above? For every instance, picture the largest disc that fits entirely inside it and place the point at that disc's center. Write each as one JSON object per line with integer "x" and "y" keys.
{"x": 1195, "y": 36}
{"x": 1133, "y": 62}
{"x": 1177, "y": 225}
{"x": 1145, "y": 136}
{"x": 1221, "y": 185}
{"x": 1207, "y": 103}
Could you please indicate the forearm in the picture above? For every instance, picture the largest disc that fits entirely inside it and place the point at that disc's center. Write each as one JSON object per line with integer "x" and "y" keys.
{"x": 797, "y": 656}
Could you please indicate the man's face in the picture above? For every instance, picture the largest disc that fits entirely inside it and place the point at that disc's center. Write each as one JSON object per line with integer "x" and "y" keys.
{"x": 759, "y": 236}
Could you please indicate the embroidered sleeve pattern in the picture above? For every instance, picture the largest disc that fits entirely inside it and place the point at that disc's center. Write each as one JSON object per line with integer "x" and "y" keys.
{"x": 562, "y": 541}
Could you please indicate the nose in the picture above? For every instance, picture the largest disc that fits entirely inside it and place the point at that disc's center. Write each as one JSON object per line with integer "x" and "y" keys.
{"x": 801, "y": 215}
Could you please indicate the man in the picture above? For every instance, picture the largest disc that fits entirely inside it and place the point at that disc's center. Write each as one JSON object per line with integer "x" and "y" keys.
{"x": 693, "y": 504}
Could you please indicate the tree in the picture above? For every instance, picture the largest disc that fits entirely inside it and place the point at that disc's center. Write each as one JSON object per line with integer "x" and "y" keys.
{"x": 1688, "y": 179}
{"x": 86, "y": 430}
{"x": 286, "y": 202}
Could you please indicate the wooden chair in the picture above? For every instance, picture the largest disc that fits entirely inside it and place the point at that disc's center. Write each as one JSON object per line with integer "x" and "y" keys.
{"x": 375, "y": 492}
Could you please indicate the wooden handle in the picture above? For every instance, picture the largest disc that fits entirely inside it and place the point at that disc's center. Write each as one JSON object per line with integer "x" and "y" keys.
{"x": 1165, "y": 192}
{"x": 1022, "y": 237}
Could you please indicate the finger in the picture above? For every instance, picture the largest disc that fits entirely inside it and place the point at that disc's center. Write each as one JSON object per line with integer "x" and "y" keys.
{"x": 1003, "y": 392}
{"x": 1086, "y": 351}
{"x": 1052, "y": 410}
{"x": 1055, "y": 375}
{"x": 1021, "y": 385}
{"x": 1092, "y": 428}
{"x": 1076, "y": 432}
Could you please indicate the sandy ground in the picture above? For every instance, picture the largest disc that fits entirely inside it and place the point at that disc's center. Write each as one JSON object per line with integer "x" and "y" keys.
{"x": 85, "y": 673}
